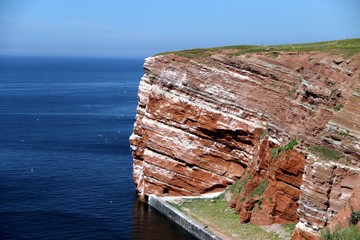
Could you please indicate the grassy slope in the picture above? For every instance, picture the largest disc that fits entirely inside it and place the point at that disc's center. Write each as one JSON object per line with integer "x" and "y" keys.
{"x": 219, "y": 217}
{"x": 347, "y": 47}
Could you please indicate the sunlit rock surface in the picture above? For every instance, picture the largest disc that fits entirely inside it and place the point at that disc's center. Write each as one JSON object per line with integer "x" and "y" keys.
{"x": 203, "y": 123}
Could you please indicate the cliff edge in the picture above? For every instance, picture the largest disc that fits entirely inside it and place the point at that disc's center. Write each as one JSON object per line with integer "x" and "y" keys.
{"x": 280, "y": 124}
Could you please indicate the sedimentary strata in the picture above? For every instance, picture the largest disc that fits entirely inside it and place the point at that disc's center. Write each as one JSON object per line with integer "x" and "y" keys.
{"x": 204, "y": 123}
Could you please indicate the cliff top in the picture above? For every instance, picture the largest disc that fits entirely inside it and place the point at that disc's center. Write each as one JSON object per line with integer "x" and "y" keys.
{"x": 346, "y": 47}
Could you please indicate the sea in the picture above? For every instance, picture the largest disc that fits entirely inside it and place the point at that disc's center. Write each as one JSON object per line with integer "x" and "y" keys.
{"x": 65, "y": 160}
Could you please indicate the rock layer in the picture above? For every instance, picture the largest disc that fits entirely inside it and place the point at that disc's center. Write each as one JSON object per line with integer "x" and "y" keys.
{"x": 204, "y": 123}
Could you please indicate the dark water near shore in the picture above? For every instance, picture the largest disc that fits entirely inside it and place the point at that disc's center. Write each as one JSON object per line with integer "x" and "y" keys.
{"x": 65, "y": 161}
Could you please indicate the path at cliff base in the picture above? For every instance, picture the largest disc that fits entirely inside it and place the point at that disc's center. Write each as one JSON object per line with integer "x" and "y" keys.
{"x": 214, "y": 213}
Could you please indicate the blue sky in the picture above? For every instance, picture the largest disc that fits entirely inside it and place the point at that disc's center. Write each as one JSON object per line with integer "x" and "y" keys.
{"x": 140, "y": 28}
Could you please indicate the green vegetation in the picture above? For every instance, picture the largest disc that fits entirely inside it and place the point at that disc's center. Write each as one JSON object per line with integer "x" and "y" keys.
{"x": 177, "y": 206}
{"x": 338, "y": 108}
{"x": 347, "y": 48}
{"x": 325, "y": 153}
{"x": 343, "y": 133}
{"x": 220, "y": 196}
{"x": 216, "y": 214}
{"x": 290, "y": 145}
{"x": 350, "y": 233}
{"x": 259, "y": 203}
{"x": 276, "y": 152}
{"x": 354, "y": 217}
{"x": 265, "y": 132}
{"x": 237, "y": 187}
{"x": 259, "y": 190}
{"x": 289, "y": 227}
{"x": 275, "y": 54}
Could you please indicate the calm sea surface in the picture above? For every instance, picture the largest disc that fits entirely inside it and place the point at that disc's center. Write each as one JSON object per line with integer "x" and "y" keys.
{"x": 65, "y": 161}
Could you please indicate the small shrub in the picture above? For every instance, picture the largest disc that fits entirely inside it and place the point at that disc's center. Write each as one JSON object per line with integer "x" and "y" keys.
{"x": 275, "y": 54}
{"x": 338, "y": 107}
{"x": 275, "y": 153}
{"x": 354, "y": 217}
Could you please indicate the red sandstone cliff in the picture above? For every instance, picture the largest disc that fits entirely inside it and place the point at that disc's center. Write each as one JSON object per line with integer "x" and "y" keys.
{"x": 207, "y": 121}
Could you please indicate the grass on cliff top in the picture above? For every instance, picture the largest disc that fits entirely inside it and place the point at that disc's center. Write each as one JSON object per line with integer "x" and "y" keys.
{"x": 347, "y": 48}
{"x": 219, "y": 218}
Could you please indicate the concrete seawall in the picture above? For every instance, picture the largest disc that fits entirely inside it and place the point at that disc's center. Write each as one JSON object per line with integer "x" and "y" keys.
{"x": 190, "y": 225}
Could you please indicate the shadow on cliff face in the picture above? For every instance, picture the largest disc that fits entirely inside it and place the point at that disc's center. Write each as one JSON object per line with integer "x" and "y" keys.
{"x": 152, "y": 225}
{"x": 229, "y": 136}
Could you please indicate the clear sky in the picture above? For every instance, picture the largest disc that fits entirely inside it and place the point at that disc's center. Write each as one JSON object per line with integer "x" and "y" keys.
{"x": 139, "y": 28}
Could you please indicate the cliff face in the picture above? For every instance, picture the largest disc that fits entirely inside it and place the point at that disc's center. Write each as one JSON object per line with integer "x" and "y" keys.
{"x": 284, "y": 127}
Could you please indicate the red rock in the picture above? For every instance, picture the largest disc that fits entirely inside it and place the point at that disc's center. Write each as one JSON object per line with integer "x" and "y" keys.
{"x": 343, "y": 216}
{"x": 199, "y": 129}
{"x": 304, "y": 235}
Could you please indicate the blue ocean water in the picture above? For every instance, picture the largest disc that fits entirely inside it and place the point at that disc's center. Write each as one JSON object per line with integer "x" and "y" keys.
{"x": 65, "y": 161}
